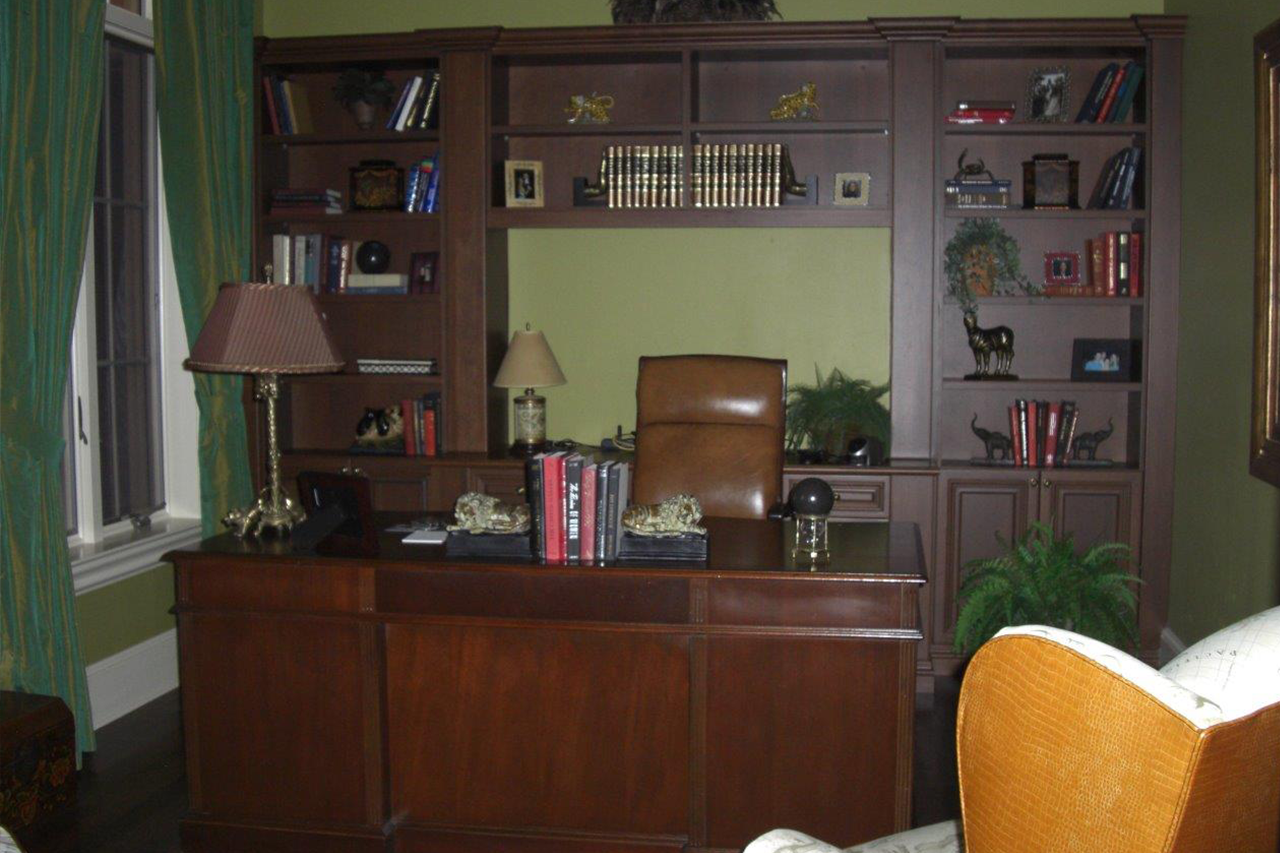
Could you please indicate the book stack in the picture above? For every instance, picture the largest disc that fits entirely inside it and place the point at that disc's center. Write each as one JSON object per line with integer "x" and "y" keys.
{"x": 1111, "y": 96}
{"x": 287, "y": 106}
{"x": 422, "y": 366}
{"x": 1042, "y": 432}
{"x": 422, "y": 186}
{"x": 577, "y": 506}
{"x": 982, "y": 112}
{"x": 417, "y": 104}
{"x": 978, "y": 194}
{"x": 324, "y": 263}
{"x": 1115, "y": 264}
{"x": 1114, "y": 190}
{"x": 423, "y": 421}
{"x": 741, "y": 175}
{"x": 302, "y": 201}
{"x": 644, "y": 175}
{"x": 376, "y": 284}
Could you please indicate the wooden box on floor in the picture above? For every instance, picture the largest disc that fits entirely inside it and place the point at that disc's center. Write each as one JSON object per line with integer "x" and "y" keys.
{"x": 37, "y": 757}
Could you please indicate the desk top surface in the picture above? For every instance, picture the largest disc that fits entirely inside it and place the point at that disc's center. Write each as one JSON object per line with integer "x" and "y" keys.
{"x": 888, "y": 551}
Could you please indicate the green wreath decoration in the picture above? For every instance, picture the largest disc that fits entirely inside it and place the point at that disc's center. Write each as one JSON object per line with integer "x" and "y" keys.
{"x": 983, "y": 259}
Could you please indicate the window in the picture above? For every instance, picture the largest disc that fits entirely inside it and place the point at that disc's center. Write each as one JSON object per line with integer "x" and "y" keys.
{"x": 129, "y": 473}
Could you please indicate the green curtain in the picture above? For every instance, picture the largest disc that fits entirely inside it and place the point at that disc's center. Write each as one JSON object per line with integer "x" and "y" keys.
{"x": 50, "y": 101}
{"x": 204, "y": 60}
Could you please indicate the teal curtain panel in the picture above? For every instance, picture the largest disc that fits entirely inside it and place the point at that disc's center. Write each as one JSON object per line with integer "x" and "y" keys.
{"x": 50, "y": 100}
{"x": 204, "y": 61}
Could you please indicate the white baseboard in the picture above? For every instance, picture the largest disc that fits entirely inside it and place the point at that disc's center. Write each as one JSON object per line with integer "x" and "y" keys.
{"x": 130, "y": 679}
{"x": 1171, "y": 645}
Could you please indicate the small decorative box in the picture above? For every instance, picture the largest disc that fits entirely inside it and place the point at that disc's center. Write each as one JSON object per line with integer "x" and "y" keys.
{"x": 1051, "y": 181}
{"x": 377, "y": 185}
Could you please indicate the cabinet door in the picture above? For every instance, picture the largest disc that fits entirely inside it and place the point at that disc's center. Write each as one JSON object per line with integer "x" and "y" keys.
{"x": 395, "y": 485}
{"x": 1093, "y": 506}
{"x": 506, "y": 483}
{"x": 978, "y": 511}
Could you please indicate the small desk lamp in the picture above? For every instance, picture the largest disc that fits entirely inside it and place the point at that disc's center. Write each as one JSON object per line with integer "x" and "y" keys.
{"x": 265, "y": 330}
{"x": 528, "y": 364}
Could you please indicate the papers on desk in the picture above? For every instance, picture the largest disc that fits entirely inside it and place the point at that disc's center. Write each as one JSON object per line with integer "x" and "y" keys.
{"x": 426, "y": 537}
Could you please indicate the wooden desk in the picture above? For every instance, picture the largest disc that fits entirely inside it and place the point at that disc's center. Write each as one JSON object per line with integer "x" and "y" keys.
{"x": 410, "y": 702}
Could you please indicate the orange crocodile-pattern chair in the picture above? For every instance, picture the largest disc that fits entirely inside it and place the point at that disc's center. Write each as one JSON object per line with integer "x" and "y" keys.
{"x": 1066, "y": 744}
{"x": 711, "y": 426}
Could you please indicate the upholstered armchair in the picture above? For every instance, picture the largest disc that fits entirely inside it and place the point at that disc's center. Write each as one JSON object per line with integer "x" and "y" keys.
{"x": 1066, "y": 744}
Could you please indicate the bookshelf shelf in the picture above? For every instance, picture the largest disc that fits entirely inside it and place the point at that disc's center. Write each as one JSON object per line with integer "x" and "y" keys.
{"x": 364, "y": 137}
{"x": 407, "y": 299}
{"x": 1035, "y": 129}
{"x": 1056, "y": 301}
{"x": 1023, "y": 213}
{"x": 610, "y": 129}
{"x": 353, "y": 378}
{"x": 688, "y": 217}
{"x": 957, "y": 383}
{"x": 426, "y": 219}
{"x": 788, "y": 128}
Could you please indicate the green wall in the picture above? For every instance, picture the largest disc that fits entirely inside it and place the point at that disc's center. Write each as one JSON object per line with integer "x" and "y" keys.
{"x": 113, "y": 618}
{"x": 1225, "y": 522}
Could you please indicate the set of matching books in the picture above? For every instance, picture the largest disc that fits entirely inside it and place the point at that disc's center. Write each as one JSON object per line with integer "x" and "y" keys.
{"x": 576, "y": 505}
{"x": 644, "y": 175}
{"x": 740, "y": 175}
{"x": 982, "y": 112}
{"x": 1111, "y": 96}
{"x": 304, "y": 201}
{"x": 324, "y": 263}
{"x": 416, "y": 107}
{"x": 979, "y": 194}
{"x": 1115, "y": 264}
{"x": 423, "y": 421}
{"x": 1042, "y": 432}
{"x": 288, "y": 107}
{"x": 1114, "y": 190}
{"x": 422, "y": 186}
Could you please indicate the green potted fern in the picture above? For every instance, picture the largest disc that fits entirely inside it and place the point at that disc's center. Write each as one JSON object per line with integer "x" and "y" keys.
{"x": 1042, "y": 580}
{"x": 821, "y": 418}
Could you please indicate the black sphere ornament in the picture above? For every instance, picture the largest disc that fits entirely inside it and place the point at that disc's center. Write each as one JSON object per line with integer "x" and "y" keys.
{"x": 812, "y": 496}
{"x": 373, "y": 257}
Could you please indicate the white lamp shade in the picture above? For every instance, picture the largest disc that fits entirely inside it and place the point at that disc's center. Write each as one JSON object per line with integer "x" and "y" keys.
{"x": 529, "y": 363}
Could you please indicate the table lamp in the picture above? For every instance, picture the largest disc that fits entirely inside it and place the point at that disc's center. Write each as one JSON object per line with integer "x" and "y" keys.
{"x": 528, "y": 364}
{"x": 265, "y": 330}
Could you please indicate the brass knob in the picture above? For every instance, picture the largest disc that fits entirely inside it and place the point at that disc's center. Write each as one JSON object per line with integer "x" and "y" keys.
{"x": 1035, "y": 481}
{"x": 1048, "y": 483}
{"x": 520, "y": 490}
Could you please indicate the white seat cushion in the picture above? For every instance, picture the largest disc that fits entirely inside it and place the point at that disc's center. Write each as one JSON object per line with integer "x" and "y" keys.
{"x": 937, "y": 838}
{"x": 1238, "y": 668}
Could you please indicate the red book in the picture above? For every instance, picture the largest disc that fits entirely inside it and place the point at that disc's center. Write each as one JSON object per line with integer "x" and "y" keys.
{"x": 1097, "y": 284}
{"x": 1051, "y": 435}
{"x": 553, "y": 505}
{"x": 269, "y": 99}
{"x": 1104, "y": 112}
{"x": 588, "y": 520}
{"x": 980, "y": 116}
{"x": 1135, "y": 263}
{"x": 1109, "y": 262}
{"x": 1016, "y": 435}
{"x": 429, "y": 431}
{"x": 406, "y": 423}
{"x": 1033, "y": 443}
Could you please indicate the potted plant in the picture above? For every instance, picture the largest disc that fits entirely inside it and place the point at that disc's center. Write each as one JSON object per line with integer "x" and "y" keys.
{"x": 362, "y": 91}
{"x": 1042, "y": 580}
{"x": 821, "y": 418}
{"x": 982, "y": 259}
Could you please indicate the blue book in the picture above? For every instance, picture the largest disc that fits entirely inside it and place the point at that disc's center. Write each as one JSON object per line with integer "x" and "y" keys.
{"x": 1093, "y": 101}
{"x": 1128, "y": 91}
{"x": 411, "y": 188}
{"x": 282, "y": 107}
{"x": 433, "y": 188}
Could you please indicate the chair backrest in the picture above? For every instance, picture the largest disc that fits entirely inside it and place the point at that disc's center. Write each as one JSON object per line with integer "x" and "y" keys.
{"x": 711, "y": 426}
{"x": 1065, "y": 743}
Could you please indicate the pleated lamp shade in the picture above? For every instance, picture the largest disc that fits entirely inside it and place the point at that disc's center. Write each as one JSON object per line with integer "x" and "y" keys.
{"x": 265, "y": 328}
{"x": 529, "y": 363}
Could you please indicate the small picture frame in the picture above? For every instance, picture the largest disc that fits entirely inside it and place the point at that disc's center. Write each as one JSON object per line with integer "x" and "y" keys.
{"x": 1061, "y": 269}
{"x": 523, "y": 179}
{"x": 423, "y": 271}
{"x": 1049, "y": 94}
{"x": 347, "y": 498}
{"x": 1105, "y": 360}
{"x": 851, "y": 189}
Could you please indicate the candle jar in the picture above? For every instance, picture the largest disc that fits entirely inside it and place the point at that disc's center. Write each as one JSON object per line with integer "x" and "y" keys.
{"x": 811, "y": 541}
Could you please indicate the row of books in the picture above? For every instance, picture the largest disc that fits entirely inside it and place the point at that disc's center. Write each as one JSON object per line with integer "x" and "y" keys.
{"x": 982, "y": 112}
{"x": 305, "y": 201}
{"x": 422, "y": 186}
{"x": 577, "y": 506}
{"x": 644, "y": 175}
{"x": 415, "y": 108}
{"x": 423, "y": 420}
{"x": 1111, "y": 96}
{"x": 1115, "y": 264}
{"x": 741, "y": 175}
{"x": 1114, "y": 190}
{"x": 1042, "y": 432}
{"x": 981, "y": 194}
{"x": 287, "y": 105}
{"x": 324, "y": 263}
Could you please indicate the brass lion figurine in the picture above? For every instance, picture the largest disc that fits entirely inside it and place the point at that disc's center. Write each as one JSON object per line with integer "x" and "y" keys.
{"x": 802, "y": 104}
{"x": 477, "y": 513}
{"x": 589, "y": 110}
{"x": 676, "y": 516}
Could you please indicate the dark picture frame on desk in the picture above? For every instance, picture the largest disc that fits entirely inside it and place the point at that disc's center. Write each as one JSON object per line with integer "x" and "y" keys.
{"x": 344, "y": 504}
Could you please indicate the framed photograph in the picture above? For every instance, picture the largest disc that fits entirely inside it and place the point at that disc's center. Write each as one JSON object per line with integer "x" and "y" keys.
{"x": 523, "y": 182}
{"x": 423, "y": 267}
{"x": 1104, "y": 360}
{"x": 347, "y": 501}
{"x": 1061, "y": 269}
{"x": 852, "y": 189}
{"x": 1049, "y": 94}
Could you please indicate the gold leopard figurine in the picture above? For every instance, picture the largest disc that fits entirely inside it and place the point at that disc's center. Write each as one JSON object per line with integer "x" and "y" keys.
{"x": 802, "y": 104}
{"x": 589, "y": 110}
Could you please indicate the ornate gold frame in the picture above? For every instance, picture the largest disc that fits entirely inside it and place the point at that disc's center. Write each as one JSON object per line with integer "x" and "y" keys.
{"x": 1264, "y": 443}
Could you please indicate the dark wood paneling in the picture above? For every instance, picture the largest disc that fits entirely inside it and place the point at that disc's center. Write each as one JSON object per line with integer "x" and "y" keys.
{"x": 203, "y": 836}
{"x": 506, "y": 484}
{"x": 864, "y": 606}
{"x": 859, "y": 497}
{"x": 1093, "y": 508}
{"x": 786, "y": 721}
{"x": 236, "y": 585}
{"x": 412, "y": 839}
{"x": 539, "y": 728}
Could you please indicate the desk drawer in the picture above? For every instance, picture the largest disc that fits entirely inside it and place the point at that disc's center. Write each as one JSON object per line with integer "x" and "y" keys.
{"x": 861, "y": 497}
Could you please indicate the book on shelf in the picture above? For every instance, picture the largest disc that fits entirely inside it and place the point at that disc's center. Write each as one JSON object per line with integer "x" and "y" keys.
{"x": 1114, "y": 190}
{"x": 572, "y": 492}
{"x": 587, "y": 521}
{"x": 643, "y": 175}
{"x": 279, "y": 102}
{"x": 422, "y": 188}
{"x": 982, "y": 112}
{"x": 423, "y": 422}
{"x": 978, "y": 195}
{"x": 291, "y": 201}
{"x": 1111, "y": 96}
{"x": 1042, "y": 432}
{"x": 377, "y": 283}
{"x": 576, "y": 504}
{"x": 1115, "y": 264}
{"x": 415, "y": 108}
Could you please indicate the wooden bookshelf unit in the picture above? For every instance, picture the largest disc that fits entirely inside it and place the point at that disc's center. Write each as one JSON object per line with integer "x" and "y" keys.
{"x": 884, "y": 89}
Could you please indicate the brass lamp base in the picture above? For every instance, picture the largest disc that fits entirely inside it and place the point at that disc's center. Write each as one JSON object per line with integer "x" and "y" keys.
{"x": 273, "y": 509}
{"x": 531, "y": 424}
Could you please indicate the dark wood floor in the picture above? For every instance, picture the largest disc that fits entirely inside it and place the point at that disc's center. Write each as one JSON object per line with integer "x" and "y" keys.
{"x": 133, "y": 790}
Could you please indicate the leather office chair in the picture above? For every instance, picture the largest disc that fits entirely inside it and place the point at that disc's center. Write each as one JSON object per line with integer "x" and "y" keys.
{"x": 1065, "y": 743}
{"x": 712, "y": 426}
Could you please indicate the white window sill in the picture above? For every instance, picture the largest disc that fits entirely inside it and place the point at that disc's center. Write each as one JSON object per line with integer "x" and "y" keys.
{"x": 129, "y": 553}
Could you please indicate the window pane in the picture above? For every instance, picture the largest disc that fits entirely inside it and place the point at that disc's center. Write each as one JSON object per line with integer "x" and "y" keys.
{"x": 68, "y": 458}
{"x": 134, "y": 6}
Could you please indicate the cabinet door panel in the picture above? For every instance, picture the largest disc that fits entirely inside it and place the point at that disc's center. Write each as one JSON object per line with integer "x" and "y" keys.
{"x": 505, "y": 483}
{"x": 1093, "y": 508}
